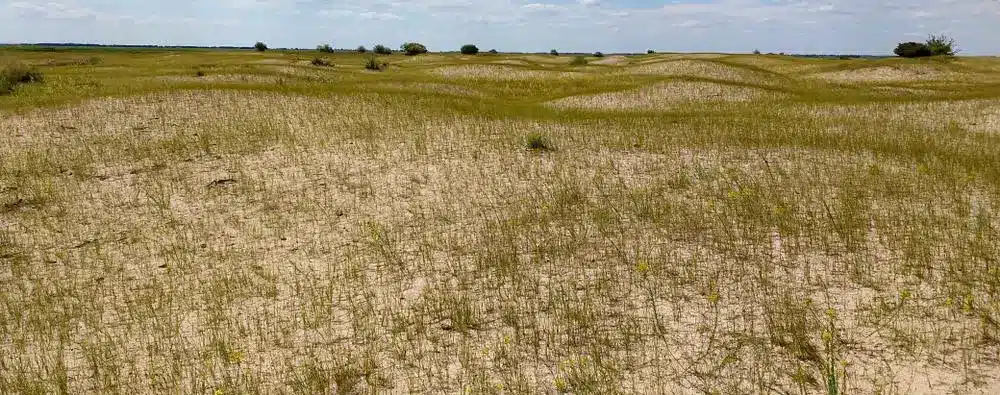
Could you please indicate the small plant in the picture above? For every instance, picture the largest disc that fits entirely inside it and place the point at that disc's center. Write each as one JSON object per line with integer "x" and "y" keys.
{"x": 756, "y": 52}
{"x": 382, "y": 50}
{"x": 538, "y": 142}
{"x": 260, "y": 46}
{"x": 199, "y": 73}
{"x": 373, "y": 64}
{"x": 493, "y": 52}
{"x": 413, "y": 49}
{"x": 325, "y": 48}
{"x": 469, "y": 49}
{"x": 941, "y": 45}
{"x": 321, "y": 62}
{"x": 650, "y": 52}
{"x": 598, "y": 54}
{"x": 554, "y": 53}
{"x": 13, "y": 73}
{"x": 579, "y": 61}
{"x": 361, "y": 49}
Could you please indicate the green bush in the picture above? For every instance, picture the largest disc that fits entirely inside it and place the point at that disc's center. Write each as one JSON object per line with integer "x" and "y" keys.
{"x": 579, "y": 61}
{"x": 321, "y": 62}
{"x": 650, "y": 51}
{"x": 554, "y": 53}
{"x": 912, "y": 50}
{"x": 493, "y": 52}
{"x": 260, "y": 46}
{"x": 469, "y": 49}
{"x": 325, "y": 48}
{"x": 412, "y": 49}
{"x": 13, "y": 73}
{"x": 361, "y": 49}
{"x": 599, "y": 54}
{"x": 941, "y": 45}
{"x": 382, "y": 50}
{"x": 538, "y": 142}
{"x": 756, "y": 52}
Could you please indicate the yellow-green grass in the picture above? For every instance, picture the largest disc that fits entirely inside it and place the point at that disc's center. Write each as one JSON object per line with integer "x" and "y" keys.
{"x": 334, "y": 230}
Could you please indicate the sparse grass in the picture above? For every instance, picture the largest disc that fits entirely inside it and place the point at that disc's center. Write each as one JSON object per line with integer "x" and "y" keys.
{"x": 13, "y": 73}
{"x": 274, "y": 227}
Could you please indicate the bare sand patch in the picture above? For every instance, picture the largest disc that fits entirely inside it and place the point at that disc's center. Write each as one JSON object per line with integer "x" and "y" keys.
{"x": 496, "y": 72}
{"x": 886, "y": 74}
{"x": 663, "y": 96}
{"x": 612, "y": 61}
{"x": 702, "y": 69}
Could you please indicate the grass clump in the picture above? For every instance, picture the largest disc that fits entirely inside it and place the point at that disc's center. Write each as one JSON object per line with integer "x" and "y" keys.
{"x": 374, "y": 64}
{"x": 13, "y": 73}
{"x": 539, "y": 142}
{"x": 579, "y": 61}
{"x": 321, "y": 62}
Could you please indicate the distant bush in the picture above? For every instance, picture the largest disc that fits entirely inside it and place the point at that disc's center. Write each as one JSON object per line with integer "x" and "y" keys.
{"x": 469, "y": 49}
{"x": 941, "y": 45}
{"x": 579, "y": 61}
{"x": 321, "y": 62}
{"x": 382, "y": 50}
{"x": 412, "y": 49}
{"x": 13, "y": 73}
{"x": 199, "y": 73}
{"x": 325, "y": 48}
{"x": 554, "y": 53}
{"x": 598, "y": 54}
{"x": 756, "y": 52}
{"x": 361, "y": 49}
{"x": 650, "y": 51}
{"x": 260, "y": 46}
{"x": 374, "y": 64}
{"x": 912, "y": 50}
{"x": 538, "y": 142}
{"x": 493, "y": 52}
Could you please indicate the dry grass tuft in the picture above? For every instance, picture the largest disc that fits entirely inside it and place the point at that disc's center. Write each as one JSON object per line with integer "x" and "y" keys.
{"x": 493, "y": 72}
{"x": 665, "y": 96}
{"x": 703, "y": 69}
{"x": 886, "y": 74}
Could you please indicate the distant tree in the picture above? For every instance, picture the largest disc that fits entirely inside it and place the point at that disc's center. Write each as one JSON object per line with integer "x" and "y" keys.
{"x": 650, "y": 51}
{"x": 756, "y": 52}
{"x": 598, "y": 54}
{"x": 941, "y": 45}
{"x": 382, "y": 50}
{"x": 260, "y": 46}
{"x": 554, "y": 53}
{"x": 469, "y": 49}
{"x": 362, "y": 49}
{"x": 493, "y": 52}
{"x": 411, "y": 49}
{"x": 912, "y": 50}
{"x": 324, "y": 48}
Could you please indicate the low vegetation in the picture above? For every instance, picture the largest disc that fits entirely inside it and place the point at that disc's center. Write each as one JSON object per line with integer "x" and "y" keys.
{"x": 381, "y": 50}
{"x": 324, "y": 48}
{"x": 664, "y": 223}
{"x": 260, "y": 46}
{"x": 14, "y": 73}
{"x": 469, "y": 49}
{"x": 934, "y": 46}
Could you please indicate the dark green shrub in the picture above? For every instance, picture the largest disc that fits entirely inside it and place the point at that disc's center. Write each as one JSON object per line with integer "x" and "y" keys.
{"x": 912, "y": 50}
{"x": 756, "y": 52}
{"x": 325, "y": 48}
{"x": 650, "y": 51}
{"x": 493, "y": 52}
{"x": 260, "y": 46}
{"x": 538, "y": 142}
{"x": 321, "y": 62}
{"x": 374, "y": 64}
{"x": 554, "y": 53}
{"x": 361, "y": 49}
{"x": 13, "y": 73}
{"x": 382, "y": 50}
{"x": 199, "y": 73}
{"x": 598, "y": 54}
{"x": 469, "y": 49}
{"x": 412, "y": 49}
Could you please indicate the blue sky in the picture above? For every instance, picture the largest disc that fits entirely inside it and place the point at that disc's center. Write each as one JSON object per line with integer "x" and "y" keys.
{"x": 804, "y": 26}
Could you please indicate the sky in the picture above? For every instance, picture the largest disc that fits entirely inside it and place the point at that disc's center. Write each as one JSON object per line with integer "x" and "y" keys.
{"x": 804, "y": 26}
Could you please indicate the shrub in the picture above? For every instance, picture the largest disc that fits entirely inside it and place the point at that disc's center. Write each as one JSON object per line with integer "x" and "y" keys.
{"x": 941, "y": 45}
{"x": 325, "y": 48}
{"x": 361, "y": 49}
{"x": 650, "y": 51}
{"x": 554, "y": 53}
{"x": 412, "y": 49}
{"x": 199, "y": 73}
{"x": 756, "y": 52}
{"x": 598, "y": 54}
{"x": 13, "y": 73}
{"x": 374, "y": 64}
{"x": 579, "y": 61}
{"x": 912, "y": 50}
{"x": 321, "y": 62}
{"x": 382, "y": 50}
{"x": 538, "y": 142}
{"x": 493, "y": 52}
{"x": 469, "y": 49}
{"x": 260, "y": 46}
